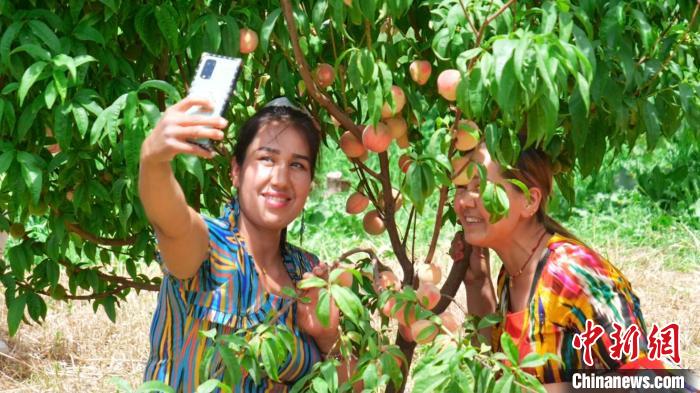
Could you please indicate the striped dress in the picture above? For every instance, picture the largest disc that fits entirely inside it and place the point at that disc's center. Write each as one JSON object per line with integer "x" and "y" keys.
{"x": 572, "y": 284}
{"x": 226, "y": 295}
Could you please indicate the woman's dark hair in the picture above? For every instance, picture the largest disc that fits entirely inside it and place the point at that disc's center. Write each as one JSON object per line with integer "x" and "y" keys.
{"x": 534, "y": 169}
{"x": 291, "y": 118}
{"x": 286, "y": 115}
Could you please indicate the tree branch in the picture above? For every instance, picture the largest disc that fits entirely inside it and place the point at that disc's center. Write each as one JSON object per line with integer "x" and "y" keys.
{"x": 305, "y": 72}
{"x": 482, "y": 29}
{"x": 390, "y": 221}
{"x": 438, "y": 224}
{"x": 451, "y": 285}
{"x": 99, "y": 240}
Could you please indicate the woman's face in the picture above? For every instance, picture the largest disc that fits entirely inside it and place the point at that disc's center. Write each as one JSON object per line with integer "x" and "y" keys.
{"x": 275, "y": 178}
{"x": 473, "y": 215}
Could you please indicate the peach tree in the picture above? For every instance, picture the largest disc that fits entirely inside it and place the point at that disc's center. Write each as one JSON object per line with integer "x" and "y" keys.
{"x": 404, "y": 88}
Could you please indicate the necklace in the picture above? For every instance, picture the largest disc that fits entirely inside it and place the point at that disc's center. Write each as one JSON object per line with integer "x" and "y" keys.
{"x": 527, "y": 262}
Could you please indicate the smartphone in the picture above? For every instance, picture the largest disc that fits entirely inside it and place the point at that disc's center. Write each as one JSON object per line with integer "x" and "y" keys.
{"x": 216, "y": 80}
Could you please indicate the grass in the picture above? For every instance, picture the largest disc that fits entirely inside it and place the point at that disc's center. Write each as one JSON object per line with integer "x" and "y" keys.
{"x": 657, "y": 249}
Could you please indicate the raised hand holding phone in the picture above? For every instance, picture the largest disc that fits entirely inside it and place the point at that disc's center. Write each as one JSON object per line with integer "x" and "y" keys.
{"x": 214, "y": 80}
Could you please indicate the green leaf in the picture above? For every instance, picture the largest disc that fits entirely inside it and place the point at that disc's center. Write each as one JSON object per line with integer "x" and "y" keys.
{"x": 510, "y": 349}
{"x": 28, "y": 78}
{"x": 164, "y": 86}
{"x": 650, "y": 118}
{"x": 311, "y": 282}
{"x": 26, "y": 119}
{"x": 644, "y": 29}
{"x": 6, "y": 41}
{"x": 50, "y": 95}
{"x": 37, "y": 52}
{"x": 85, "y": 32}
{"x": 32, "y": 172}
{"x": 489, "y": 320}
{"x": 6, "y": 160}
{"x": 61, "y": 83}
{"x": 267, "y": 28}
{"x": 211, "y": 26}
{"x": 584, "y": 90}
{"x": 166, "y": 17}
{"x": 15, "y": 313}
{"x": 155, "y": 387}
{"x": 504, "y": 383}
{"x": 323, "y": 307}
{"x": 44, "y": 33}
{"x": 81, "y": 119}
{"x": 66, "y": 61}
{"x": 208, "y": 386}
{"x": 347, "y": 302}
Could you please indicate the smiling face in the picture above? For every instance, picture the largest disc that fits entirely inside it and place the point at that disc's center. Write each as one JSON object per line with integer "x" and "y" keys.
{"x": 475, "y": 218}
{"x": 275, "y": 177}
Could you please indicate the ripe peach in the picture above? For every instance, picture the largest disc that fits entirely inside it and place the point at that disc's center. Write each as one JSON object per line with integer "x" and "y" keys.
{"x": 447, "y": 83}
{"x": 449, "y": 321}
{"x": 403, "y": 142}
{"x": 429, "y": 273}
{"x": 405, "y": 331}
{"x": 399, "y": 102}
{"x": 356, "y": 204}
{"x": 345, "y": 279}
{"x": 403, "y": 317}
{"x": 388, "y": 306}
{"x": 466, "y": 135}
{"x": 308, "y": 320}
{"x": 248, "y": 41}
{"x": 428, "y": 295}
{"x": 325, "y": 74}
{"x": 388, "y": 280}
{"x": 69, "y": 195}
{"x": 372, "y": 223}
{"x": 405, "y": 162}
{"x": 396, "y": 194}
{"x": 397, "y": 126}
{"x": 53, "y": 148}
{"x": 364, "y": 156}
{"x": 376, "y": 138}
{"x": 420, "y": 71}
{"x": 464, "y": 177}
{"x": 423, "y": 331}
{"x": 351, "y": 146}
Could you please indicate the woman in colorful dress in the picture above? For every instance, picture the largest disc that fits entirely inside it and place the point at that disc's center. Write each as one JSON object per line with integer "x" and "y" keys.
{"x": 551, "y": 284}
{"x": 228, "y": 273}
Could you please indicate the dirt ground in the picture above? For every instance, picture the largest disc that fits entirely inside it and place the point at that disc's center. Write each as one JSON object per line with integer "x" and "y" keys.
{"x": 76, "y": 350}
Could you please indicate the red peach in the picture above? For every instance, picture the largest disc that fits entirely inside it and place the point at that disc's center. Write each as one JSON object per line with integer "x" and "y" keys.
{"x": 325, "y": 74}
{"x": 376, "y": 139}
{"x": 423, "y": 331}
{"x": 388, "y": 280}
{"x": 397, "y": 126}
{"x": 428, "y": 295}
{"x": 405, "y": 331}
{"x": 447, "y": 83}
{"x": 405, "y": 162}
{"x": 449, "y": 321}
{"x": 351, "y": 146}
{"x": 466, "y": 135}
{"x": 429, "y": 273}
{"x": 464, "y": 177}
{"x": 248, "y": 41}
{"x": 372, "y": 223}
{"x": 388, "y": 306}
{"x": 356, "y": 204}
{"x": 403, "y": 142}
{"x": 399, "y": 102}
{"x": 420, "y": 71}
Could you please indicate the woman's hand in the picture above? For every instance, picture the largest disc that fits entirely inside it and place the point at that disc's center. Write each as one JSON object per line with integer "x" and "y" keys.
{"x": 170, "y": 136}
{"x": 479, "y": 267}
{"x": 307, "y": 320}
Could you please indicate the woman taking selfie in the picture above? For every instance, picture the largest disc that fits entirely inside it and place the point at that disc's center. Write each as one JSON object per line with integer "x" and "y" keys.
{"x": 228, "y": 273}
{"x": 550, "y": 284}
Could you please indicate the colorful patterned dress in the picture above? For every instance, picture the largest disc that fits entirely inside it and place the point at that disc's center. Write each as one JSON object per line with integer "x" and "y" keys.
{"x": 226, "y": 295}
{"x": 572, "y": 284}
